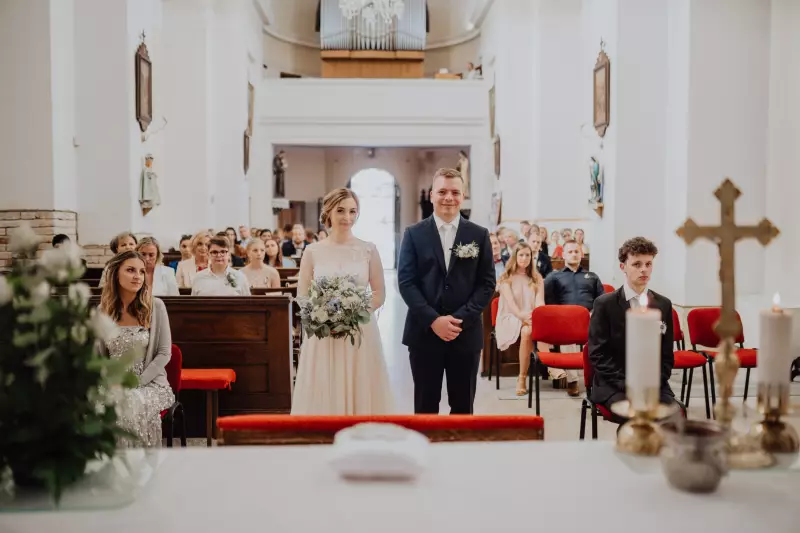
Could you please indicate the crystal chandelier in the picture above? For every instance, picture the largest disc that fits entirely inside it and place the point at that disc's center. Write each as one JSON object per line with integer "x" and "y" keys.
{"x": 372, "y": 10}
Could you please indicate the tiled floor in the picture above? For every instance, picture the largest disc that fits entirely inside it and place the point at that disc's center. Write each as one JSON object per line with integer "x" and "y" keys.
{"x": 561, "y": 413}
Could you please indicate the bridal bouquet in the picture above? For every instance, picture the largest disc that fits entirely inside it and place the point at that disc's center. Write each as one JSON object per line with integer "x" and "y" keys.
{"x": 335, "y": 307}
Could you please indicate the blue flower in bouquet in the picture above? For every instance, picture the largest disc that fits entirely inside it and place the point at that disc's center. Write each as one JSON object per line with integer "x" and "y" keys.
{"x": 335, "y": 307}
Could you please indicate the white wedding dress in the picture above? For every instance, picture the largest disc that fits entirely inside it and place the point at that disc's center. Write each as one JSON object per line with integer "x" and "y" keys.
{"x": 334, "y": 377}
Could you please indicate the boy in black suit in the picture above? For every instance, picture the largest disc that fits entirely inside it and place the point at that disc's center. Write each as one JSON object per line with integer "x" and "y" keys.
{"x": 607, "y": 326}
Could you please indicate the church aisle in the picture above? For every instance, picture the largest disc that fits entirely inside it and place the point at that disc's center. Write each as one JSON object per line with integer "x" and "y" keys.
{"x": 561, "y": 413}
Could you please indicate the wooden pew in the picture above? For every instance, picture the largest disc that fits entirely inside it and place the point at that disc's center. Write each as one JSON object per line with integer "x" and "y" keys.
{"x": 251, "y": 335}
{"x": 185, "y": 291}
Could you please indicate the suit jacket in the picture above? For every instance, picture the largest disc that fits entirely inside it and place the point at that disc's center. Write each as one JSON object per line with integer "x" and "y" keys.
{"x": 607, "y": 343}
{"x": 430, "y": 290}
{"x": 159, "y": 349}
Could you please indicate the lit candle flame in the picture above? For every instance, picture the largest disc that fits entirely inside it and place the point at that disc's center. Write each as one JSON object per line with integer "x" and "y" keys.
{"x": 776, "y": 302}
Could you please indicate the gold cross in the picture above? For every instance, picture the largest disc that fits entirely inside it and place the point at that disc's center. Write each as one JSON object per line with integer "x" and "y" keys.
{"x": 725, "y": 236}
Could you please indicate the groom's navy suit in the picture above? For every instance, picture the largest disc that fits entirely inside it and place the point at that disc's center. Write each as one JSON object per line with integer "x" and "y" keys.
{"x": 431, "y": 290}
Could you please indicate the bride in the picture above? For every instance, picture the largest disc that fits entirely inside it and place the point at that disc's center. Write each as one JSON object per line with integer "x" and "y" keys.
{"x": 334, "y": 377}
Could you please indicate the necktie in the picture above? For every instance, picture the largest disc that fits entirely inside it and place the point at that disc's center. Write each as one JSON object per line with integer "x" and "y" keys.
{"x": 447, "y": 244}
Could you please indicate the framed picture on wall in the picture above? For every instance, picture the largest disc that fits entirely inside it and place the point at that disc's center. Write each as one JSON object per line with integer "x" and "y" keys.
{"x": 496, "y": 143}
{"x": 246, "y": 152}
{"x": 602, "y": 93}
{"x": 144, "y": 87}
{"x": 491, "y": 112}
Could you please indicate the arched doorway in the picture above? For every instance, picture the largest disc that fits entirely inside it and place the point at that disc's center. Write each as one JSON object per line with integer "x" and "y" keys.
{"x": 379, "y": 219}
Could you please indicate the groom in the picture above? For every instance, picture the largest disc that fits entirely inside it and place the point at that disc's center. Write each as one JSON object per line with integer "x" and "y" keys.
{"x": 446, "y": 277}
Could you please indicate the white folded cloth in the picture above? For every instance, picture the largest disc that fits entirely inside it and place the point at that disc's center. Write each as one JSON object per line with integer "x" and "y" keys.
{"x": 377, "y": 451}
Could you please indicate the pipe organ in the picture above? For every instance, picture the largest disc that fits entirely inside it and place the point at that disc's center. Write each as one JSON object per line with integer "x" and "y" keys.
{"x": 358, "y": 47}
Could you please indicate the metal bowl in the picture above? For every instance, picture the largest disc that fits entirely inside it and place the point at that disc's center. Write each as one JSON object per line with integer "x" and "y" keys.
{"x": 694, "y": 456}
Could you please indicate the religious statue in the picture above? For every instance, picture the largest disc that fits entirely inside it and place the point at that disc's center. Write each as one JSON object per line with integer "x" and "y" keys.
{"x": 279, "y": 166}
{"x": 596, "y": 182}
{"x": 149, "y": 197}
{"x": 463, "y": 168}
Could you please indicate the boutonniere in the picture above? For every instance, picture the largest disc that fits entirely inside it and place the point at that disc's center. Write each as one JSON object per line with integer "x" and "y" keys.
{"x": 231, "y": 279}
{"x": 467, "y": 251}
{"x": 663, "y": 327}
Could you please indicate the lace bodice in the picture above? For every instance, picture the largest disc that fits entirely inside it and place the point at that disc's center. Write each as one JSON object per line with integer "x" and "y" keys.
{"x": 130, "y": 337}
{"x": 356, "y": 258}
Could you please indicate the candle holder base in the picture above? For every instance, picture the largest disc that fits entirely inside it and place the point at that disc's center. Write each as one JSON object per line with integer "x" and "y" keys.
{"x": 745, "y": 453}
{"x": 775, "y": 436}
{"x": 640, "y": 436}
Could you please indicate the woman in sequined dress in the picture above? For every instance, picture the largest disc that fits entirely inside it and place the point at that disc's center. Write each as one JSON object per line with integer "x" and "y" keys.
{"x": 143, "y": 324}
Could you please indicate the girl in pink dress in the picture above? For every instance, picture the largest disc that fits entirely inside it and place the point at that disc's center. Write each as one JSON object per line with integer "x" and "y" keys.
{"x": 521, "y": 291}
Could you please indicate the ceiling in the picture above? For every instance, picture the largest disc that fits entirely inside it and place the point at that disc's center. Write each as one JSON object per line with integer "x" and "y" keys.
{"x": 452, "y": 21}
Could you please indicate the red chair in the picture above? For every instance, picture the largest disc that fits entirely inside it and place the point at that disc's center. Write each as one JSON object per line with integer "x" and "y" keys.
{"x": 701, "y": 332}
{"x": 588, "y": 374}
{"x": 169, "y": 415}
{"x": 494, "y": 353}
{"x": 210, "y": 380}
{"x": 608, "y": 288}
{"x": 557, "y": 325}
{"x": 289, "y": 429}
{"x": 687, "y": 361}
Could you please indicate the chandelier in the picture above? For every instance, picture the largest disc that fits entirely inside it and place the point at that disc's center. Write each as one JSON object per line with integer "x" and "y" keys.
{"x": 372, "y": 10}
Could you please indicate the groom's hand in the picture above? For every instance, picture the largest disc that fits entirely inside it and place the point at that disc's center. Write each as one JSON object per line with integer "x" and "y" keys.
{"x": 446, "y": 327}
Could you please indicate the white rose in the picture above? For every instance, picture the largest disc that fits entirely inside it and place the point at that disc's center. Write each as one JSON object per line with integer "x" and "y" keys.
{"x": 320, "y": 315}
{"x": 57, "y": 260}
{"x": 6, "y": 294}
{"x": 23, "y": 239}
{"x": 40, "y": 294}
{"x": 79, "y": 294}
{"x": 103, "y": 327}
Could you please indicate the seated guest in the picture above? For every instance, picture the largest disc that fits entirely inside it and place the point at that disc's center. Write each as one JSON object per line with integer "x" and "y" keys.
{"x": 571, "y": 286}
{"x": 521, "y": 291}
{"x": 295, "y": 246}
{"x": 510, "y": 239}
{"x": 60, "y": 240}
{"x": 274, "y": 257}
{"x": 499, "y": 267}
{"x": 579, "y": 236}
{"x": 543, "y": 264}
{"x": 244, "y": 233}
{"x": 322, "y": 235}
{"x": 545, "y": 236}
{"x": 185, "y": 247}
{"x": 124, "y": 242}
{"x": 555, "y": 242}
{"x": 258, "y": 274}
{"x": 160, "y": 278}
{"x": 188, "y": 268}
{"x": 220, "y": 279}
{"x": 607, "y": 327}
{"x": 524, "y": 229}
{"x": 144, "y": 324}
{"x": 265, "y": 236}
{"x": 285, "y": 233}
{"x": 237, "y": 255}
{"x": 310, "y": 237}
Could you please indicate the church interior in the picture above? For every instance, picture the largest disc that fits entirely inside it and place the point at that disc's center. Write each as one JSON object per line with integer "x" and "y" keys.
{"x": 570, "y": 124}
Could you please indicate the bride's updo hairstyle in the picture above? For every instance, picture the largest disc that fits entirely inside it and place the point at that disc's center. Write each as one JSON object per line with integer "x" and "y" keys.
{"x": 333, "y": 199}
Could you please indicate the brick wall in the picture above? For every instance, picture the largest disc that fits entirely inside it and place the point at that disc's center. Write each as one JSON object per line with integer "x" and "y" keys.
{"x": 47, "y": 224}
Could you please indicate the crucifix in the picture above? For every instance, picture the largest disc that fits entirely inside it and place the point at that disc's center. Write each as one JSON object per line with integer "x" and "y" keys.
{"x": 725, "y": 236}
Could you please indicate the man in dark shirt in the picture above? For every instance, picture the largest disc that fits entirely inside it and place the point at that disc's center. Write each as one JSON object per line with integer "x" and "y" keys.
{"x": 572, "y": 286}
{"x": 297, "y": 242}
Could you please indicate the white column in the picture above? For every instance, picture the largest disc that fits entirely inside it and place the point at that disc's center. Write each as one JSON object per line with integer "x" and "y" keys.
{"x": 36, "y": 50}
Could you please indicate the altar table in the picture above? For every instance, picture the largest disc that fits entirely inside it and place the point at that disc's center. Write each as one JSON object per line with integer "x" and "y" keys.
{"x": 480, "y": 487}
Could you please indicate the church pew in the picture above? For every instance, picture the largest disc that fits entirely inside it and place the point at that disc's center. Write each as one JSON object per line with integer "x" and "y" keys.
{"x": 251, "y": 335}
{"x": 186, "y": 291}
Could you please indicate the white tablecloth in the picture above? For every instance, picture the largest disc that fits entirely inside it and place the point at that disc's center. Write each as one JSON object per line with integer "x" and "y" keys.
{"x": 488, "y": 488}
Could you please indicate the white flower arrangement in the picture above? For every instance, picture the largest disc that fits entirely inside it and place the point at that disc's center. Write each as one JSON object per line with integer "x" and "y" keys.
{"x": 335, "y": 307}
{"x": 231, "y": 279}
{"x": 467, "y": 251}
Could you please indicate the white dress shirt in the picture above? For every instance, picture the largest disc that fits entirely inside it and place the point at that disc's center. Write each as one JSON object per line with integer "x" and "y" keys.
{"x": 206, "y": 283}
{"x": 632, "y": 297}
{"x": 447, "y": 233}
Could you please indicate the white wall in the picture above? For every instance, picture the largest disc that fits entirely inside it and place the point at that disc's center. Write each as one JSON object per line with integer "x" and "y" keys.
{"x": 281, "y": 56}
{"x": 27, "y": 140}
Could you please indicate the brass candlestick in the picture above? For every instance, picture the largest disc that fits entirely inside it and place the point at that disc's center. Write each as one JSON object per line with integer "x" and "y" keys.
{"x": 641, "y": 435}
{"x": 773, "y": 435}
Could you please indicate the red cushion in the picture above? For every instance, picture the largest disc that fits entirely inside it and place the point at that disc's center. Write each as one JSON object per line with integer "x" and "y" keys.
{"x": 420, "y": 423}
{"x": 604, "y": 412}
{"x": 495, "y": 304}
{"x": 207, "y": 378}
{"x": 560, "y": 324}
{"x": 748, "y": 357}
{"x": 163, "y": 413}
{"x": 677, "y": 332}
{"x": 608, "y": 288}
{"x": 701, "y": 327}
{"x": 568, "y": 361}
{"x": 689, "y": 359}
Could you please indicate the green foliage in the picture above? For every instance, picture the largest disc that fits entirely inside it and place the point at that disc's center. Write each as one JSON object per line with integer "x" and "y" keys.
{"x": 56, "y": 389}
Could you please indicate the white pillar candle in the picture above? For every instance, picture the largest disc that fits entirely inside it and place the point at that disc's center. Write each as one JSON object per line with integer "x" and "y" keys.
{"x": 775, "y": 352}
{"x": 643, "y": 354}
